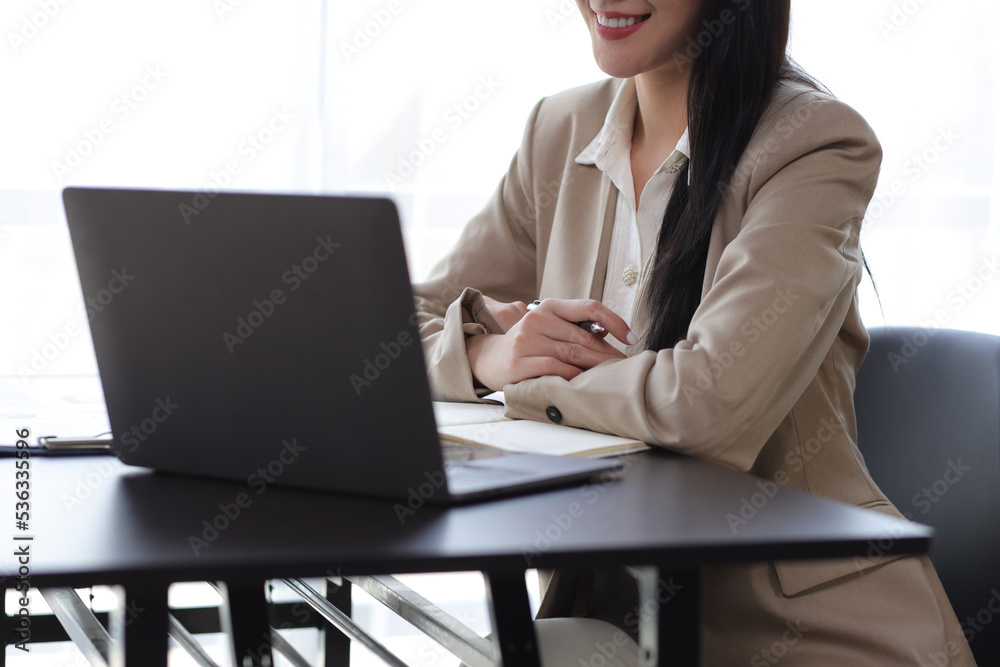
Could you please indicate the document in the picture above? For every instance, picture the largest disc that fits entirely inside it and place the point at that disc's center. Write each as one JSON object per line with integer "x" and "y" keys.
{"x": 454, "y": 414}
{"x": 65, "y": 406}
{"x": 479, "y": 424}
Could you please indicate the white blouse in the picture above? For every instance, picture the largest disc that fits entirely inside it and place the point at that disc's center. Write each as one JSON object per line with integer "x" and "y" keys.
{"x": 633, "y": 240}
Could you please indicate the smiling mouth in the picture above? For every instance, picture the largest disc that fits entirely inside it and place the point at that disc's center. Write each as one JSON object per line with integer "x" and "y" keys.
{"x": 621, "y": 21}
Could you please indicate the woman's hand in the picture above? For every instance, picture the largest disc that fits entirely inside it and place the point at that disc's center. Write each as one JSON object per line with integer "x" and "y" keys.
{"x": 545, "y": 341}
{"x": 506, "y": 314}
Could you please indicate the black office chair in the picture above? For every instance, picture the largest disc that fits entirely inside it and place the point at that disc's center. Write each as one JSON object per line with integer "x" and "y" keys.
{"x": 928, "y": 405}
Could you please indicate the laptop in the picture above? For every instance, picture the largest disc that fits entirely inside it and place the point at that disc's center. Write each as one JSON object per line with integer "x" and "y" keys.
{"x": 271, "y": 339}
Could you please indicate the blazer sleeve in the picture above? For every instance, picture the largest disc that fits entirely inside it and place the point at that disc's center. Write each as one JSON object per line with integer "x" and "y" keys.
{"x": 495, "y": 255}
{"x": 773, "y": 307}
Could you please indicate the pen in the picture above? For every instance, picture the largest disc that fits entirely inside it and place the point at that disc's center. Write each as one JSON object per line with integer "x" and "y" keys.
{"x": 54, "y": 446}
{"x": 54, "y": 443}
{"x": 10, "y": 451}
{"x": 588, "y": 325}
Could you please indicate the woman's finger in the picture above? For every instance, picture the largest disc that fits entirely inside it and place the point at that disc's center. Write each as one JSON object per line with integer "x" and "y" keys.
{"x": 541, "y": 335}
{"x": 545, "y": 323}
{"x": 582, "y": 310}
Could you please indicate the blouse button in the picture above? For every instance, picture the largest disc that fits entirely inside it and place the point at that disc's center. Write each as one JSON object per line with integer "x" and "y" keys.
{"x": 630, "y": 275}
{"x": 552, "y": 412}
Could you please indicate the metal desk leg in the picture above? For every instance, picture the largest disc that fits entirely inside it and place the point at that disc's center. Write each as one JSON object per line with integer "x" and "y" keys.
{"x": 342, "y": 622}
{"x": 669, "y": 618}
{"x": 337, "y": 645}
{"x": 80, "y": 624}
{"x": 453, "y": 635}
{"x": 244, "y": 619}
{"x": 139, "y": 628}
{"x": 514, "y": 637}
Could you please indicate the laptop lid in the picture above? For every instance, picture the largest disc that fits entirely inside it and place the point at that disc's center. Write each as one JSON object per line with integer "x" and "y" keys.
{"x": 257, "y": 337}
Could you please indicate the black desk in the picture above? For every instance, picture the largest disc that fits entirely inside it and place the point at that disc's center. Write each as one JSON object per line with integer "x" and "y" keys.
{"x": 135, "y": 528}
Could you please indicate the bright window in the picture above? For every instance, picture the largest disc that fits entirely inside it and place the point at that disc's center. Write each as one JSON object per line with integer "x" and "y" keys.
{"x": 426, "y": 101}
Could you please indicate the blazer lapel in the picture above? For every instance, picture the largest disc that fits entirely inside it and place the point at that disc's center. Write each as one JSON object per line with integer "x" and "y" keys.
{"x": 581, "y": 231}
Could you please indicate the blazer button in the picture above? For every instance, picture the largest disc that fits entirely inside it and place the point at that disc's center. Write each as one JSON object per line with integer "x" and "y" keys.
{"x": 552, "y": 412}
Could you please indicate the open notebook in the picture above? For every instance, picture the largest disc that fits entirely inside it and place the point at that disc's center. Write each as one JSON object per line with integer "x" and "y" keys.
{"x": 485, "y": 425}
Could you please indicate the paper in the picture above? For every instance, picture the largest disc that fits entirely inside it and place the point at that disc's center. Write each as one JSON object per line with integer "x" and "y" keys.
{"x": 65, "y": 406}
{"x": 453, "y": 414}
{"x": 532, "y": 437}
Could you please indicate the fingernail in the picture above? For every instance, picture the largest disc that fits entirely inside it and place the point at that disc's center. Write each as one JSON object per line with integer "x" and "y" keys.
{"x": 632, "y": 340}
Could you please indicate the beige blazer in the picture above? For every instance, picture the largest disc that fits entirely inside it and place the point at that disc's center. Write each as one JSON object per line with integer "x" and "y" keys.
{"x": 764, "y": 380}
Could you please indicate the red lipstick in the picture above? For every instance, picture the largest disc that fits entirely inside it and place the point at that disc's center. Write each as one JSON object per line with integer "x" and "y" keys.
{"x": 614, "y": 25}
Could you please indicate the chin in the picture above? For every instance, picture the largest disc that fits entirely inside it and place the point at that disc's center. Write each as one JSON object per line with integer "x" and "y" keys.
{"x": 613, "y": 64}
{"x": 616, "y": 68}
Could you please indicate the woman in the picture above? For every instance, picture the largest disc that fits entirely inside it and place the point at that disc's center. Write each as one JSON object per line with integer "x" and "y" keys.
{"x": 704, "y": 206}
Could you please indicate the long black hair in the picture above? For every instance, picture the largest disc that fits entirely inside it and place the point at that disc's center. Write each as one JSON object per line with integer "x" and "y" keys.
{"x": 731, "y": 83}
